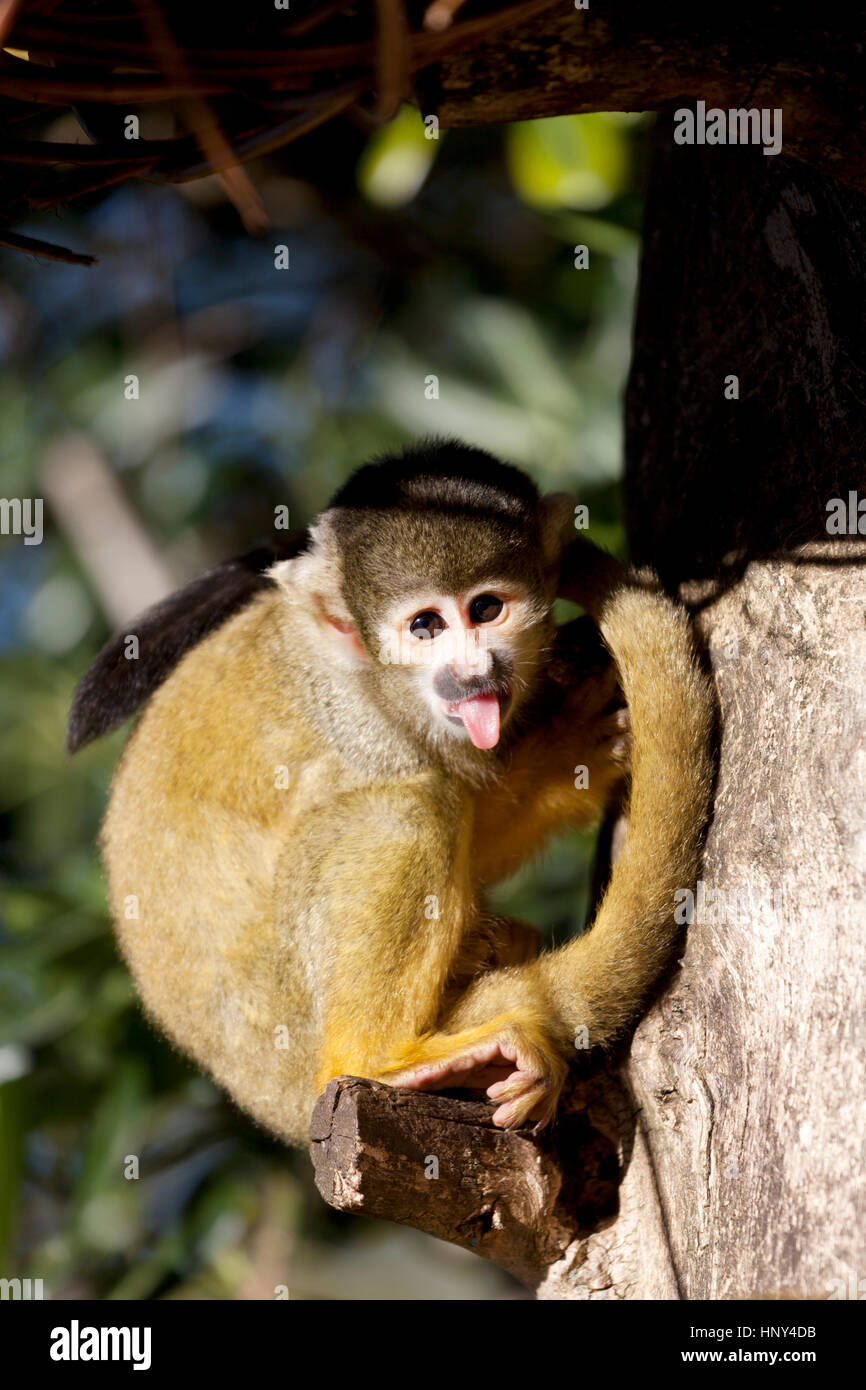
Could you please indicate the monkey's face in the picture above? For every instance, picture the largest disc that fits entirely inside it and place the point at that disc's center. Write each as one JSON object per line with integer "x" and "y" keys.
{"x": 463, "y": 662}
{"x": 429, "y": 581}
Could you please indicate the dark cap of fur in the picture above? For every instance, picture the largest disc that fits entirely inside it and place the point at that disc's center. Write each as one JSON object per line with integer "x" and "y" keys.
{"x": 437, "y": 514}
{"x": 440, "y": 474}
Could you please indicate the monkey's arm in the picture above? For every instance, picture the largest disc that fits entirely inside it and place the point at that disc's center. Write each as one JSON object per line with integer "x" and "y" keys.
{"x": 379, "y": 883}
{"x": 563, "y": 767}
{"x": 382, "y": 884}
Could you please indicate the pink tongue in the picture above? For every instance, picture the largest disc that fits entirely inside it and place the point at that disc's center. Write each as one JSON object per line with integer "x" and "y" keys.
{"x": 480, "y": 717}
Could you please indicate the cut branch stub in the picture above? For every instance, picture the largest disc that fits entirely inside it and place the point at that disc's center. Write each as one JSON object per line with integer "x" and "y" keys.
{"x": 439, "y": 1164}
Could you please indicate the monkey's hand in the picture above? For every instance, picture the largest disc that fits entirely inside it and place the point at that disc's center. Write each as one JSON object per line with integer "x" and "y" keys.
{"x": 563, "y": 769}
{"x": 496, "y": 942}
{"x": 588, "y": 575}
{"x": 593, "y": 723}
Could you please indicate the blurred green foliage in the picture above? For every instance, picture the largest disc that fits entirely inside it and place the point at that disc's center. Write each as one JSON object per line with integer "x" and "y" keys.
{"x": 408, "y": 258}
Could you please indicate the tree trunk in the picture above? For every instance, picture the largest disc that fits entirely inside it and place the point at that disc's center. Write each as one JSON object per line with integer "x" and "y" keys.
{"x": 750, "y": 1073}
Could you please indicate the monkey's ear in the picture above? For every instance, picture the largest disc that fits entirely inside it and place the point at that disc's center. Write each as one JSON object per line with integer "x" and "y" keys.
{"x": 315, "y": 579}
{"x": 556, "y": 514}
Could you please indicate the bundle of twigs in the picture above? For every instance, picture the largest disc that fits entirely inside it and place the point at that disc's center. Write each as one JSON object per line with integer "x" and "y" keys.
{"x": 239, "y": 81}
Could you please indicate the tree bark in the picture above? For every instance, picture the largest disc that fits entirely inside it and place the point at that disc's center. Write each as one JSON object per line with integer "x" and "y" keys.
{"x": 625, "y": 55}
{"x": 439, "y": 1164}
{"x": 750, "y": 1073}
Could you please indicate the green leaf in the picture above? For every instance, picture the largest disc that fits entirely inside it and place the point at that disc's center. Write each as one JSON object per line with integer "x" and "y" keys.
{"x": 568, "y": 161}
{"x": 117, "y": 1122}
{"x": 396, "y": 160}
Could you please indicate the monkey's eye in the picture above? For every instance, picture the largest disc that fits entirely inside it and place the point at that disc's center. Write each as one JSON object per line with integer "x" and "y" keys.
{"x": 485, "y": 608}
{"x": 427, "y": 625}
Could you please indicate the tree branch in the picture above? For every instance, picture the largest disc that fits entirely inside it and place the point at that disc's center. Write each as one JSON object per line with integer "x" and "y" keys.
{"x": 531, "y": 1203}
{"x": 637, "y": 57}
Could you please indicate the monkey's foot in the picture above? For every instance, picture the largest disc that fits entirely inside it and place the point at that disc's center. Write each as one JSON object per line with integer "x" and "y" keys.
{"x": 525, "y": 1078}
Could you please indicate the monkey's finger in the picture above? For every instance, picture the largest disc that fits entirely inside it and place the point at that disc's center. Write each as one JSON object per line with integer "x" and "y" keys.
{"x": 489, "y": 1076}
{"x": 460, "y": 1070}
{"x": 511, "y": 1085}
{"x": 535, "y": 1099}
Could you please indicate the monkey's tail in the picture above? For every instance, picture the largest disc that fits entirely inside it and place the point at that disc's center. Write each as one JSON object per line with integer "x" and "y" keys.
{"x": 114, "y": 687}
{"x": 602, "y": 980}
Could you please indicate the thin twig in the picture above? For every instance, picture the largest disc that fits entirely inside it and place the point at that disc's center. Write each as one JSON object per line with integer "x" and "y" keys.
{"x": 207, "y": 130}
{"x": 8, "y": 11}
{"x": 262, "y": 142}
{"x": 392, "y": 58}
{"x": 16, "y": 241}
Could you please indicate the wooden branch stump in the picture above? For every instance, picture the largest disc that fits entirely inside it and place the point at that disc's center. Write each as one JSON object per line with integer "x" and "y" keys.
{"x": 538, "y": 1205}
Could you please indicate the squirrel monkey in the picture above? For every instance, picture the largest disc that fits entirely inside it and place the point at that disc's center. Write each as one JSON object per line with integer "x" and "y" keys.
{"x": 304, "y": 820}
